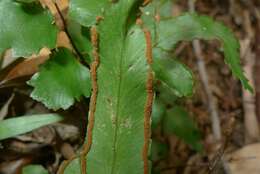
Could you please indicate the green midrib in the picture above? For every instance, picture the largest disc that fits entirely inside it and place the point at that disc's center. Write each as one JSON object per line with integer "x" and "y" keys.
{"x": 117, "y": 109}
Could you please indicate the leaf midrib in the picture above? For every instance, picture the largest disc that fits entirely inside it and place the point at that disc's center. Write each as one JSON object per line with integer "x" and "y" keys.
{"x": 117, "y": 105}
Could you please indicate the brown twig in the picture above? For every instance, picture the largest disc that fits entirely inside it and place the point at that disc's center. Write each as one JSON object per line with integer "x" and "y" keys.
{"x": 257, "y": 64}
{"x": 250, "y": 102}
{"x": 251, "y": 123}
{"x": 213, "y": 110}
{"x": 212, "y": 106}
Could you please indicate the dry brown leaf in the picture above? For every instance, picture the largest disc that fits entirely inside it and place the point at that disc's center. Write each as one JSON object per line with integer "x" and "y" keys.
{"x": 7, "y": 58}
{"x": 63, "y": 41}
{"x": 245, "y": 161}
{"x": 27, "y": 67}
{"x": 4, "y": 109}
{"x": 63, "y": 6}
{"x": 14, "y": 167}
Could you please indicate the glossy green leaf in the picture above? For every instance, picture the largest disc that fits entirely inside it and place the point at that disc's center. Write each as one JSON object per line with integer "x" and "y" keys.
{"x": 175, "y": 75}
{"x": 60, "y": 81}
{"x": 177, "y": 121}
{"x": 25, "y": 29}
{"x": 20, "y": 125}
{"x": 118, "y": 134}
{"x": 86, "y": 11}
{"x": 34, "y": 169}
{"x": 192, "y": 26}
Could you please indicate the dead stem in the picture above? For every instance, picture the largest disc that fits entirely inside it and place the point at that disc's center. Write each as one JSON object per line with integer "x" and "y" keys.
{"x": 257, "y": 66}
{"x": 249, "y": 103}
{"x": 205, "y": 81}
{"x": 213, "y": 109}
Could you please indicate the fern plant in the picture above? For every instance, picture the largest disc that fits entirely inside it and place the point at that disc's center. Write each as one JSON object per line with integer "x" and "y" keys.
{"x": 126, "y": 44}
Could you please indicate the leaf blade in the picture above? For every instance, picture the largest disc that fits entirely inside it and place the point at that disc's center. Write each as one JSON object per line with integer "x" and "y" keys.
{"x": 119, "y": 115}
{"x": 60, "y": 81}
{"x": 129, "y": 90}
{"x": 192, "y": 26}
{"x": 25, "y": 29}
{"x": 15, "y": 126}
{"x": 86, "y": 12}
{"x": 175, "y": 75}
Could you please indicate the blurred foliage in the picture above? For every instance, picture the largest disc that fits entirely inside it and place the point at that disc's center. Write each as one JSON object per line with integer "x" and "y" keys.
{"x": 15, "y": 126}
{"x": 34, "y": 169}
{"x": 177, "y": 121}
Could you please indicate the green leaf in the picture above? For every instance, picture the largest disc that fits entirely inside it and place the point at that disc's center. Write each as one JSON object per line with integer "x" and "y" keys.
{"x": 118, "y": 134}
{"x": 165, "y": 8}
{"x": 27, "y": 1}
{"x": 175, "y": 75}
{"x": 152, "y": 12}
{"x": 177, "y": 121}
{"x": 148, "y": 17}
{"x": 25, "y": 29}
{"x": 60, "y": 81}
{"x": 158, "y": 113}
{"x": 81, "y": 39}
{"x": 120, "y": 110}
{"x": 192, "y": 26}
{"x": 166, "y": 94}
{"x": 14, "y": 126}
{"x": 74, "y": 167}
{"x": 86, "y": 11}
{"x": 34, "y": 169}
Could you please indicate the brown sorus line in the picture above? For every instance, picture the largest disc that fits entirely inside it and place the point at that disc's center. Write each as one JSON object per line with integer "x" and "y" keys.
{"x": 64, "y": 165}
{"x": 93, "y": 99}
{"x": 149, "y": 101}
{"x": 92, "y": 108}
{"x": 146, "y": 2}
